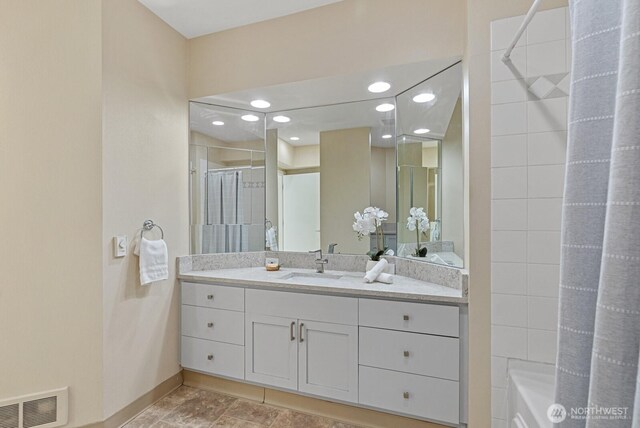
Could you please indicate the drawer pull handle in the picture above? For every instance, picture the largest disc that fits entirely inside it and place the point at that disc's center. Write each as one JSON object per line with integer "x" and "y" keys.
{"x": 405, "y": 317}
{"x": 291, "y": 331}
{"x": 210, "y": 296}
{"x": 210, "y": 357}
{"x": 210, "y": 324}
{"x": 406, "y": 353}
{"x": 405, "y": 395}
{"x": 301, "y": 328}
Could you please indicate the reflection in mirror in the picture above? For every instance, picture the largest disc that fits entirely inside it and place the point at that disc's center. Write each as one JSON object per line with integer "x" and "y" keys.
{"x": 328, "y": 163}
{"x": 227, "y": 179}
{"x": 292, "y": 179}
{"x": 430, "y": 169}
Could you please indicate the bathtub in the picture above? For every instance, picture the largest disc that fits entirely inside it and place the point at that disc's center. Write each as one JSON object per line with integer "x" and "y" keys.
{"x": 530, "y": 392}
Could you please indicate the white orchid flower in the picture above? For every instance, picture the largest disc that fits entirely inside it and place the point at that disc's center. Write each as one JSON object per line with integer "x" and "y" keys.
{"x": 370, "y": 221}
{"x": 417, "y": 218}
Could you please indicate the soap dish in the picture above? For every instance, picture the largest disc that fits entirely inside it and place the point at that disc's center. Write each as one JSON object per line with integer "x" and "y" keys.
{"x": 272, "y": 267}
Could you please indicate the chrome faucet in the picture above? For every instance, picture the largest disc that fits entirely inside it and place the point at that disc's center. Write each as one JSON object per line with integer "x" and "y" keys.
{"x": 332, "y": 248}
{"x": 320, "y": 262}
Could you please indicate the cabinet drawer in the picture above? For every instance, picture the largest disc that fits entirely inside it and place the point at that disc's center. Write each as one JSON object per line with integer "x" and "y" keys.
{"x": 213, "y": 324}
{"x": 314, "y": 307}
{"x": 416, "y": 317}
{"x": 213, "y": 296}
{"x": 416, "y": 353}
{"x": 421, "y": 396}
{"x": 213, "y": 357}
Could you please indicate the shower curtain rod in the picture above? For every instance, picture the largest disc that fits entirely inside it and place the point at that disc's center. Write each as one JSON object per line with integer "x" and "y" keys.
{"x": 232, "y": 168}
{"x": 527, "y": 19}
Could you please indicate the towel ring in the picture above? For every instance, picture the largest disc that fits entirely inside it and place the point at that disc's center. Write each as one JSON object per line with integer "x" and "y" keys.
{"x": 148, "y": 225}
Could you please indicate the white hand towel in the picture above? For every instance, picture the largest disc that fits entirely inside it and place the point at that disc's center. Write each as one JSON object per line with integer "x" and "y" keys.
{"x": 387, "y": 278}
{"x": 154, "y": 260}
{"x": 272, "y": 240}
{"x": 375, "y": 271}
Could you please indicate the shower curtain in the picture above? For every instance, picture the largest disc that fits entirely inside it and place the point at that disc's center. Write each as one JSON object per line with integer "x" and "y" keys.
{"x": 599, "y": 324}
{"x": 224, "y": 230}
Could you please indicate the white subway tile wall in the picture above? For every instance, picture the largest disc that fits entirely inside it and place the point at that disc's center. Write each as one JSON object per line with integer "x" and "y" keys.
{"x": 509, "y": 183}
{"x": 509, "y": 214}
{"x": 511, "y": 278}
{"x": 529, "y": 98}
{"x": 499, "y": 372}
{"x": 509, "y": 150}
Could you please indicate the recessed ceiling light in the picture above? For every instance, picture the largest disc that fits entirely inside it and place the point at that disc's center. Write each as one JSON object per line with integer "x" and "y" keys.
{"x": 294, "y": 138}
{"x": 421, "y": 131}
{"x": 250, "y": 118}
{"x": 260, "y": 104}
{"x": 217, "y": 123}
{"x": 424, "y": 97}
{"x": 386, "y": 136}
{"x": 378, "y": 87}
{"x": 385, "y": 107}
{"x": 281, "y": 119}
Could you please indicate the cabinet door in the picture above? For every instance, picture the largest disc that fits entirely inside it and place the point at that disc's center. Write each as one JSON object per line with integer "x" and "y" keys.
{"x": 328, "y": 360}
{"x": 271, "y": 350}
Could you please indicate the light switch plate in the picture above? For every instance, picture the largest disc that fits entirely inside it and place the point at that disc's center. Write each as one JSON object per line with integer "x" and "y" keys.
{"x": 120, "y": 244}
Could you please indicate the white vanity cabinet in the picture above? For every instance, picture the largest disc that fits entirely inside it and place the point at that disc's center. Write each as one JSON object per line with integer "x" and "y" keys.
{"x": 395, "y": 356}
{"x": 410, "y": 358}
{"x": 272, "y": 350}
{"x": 304, "y": 351}
{"x": 212, "y": 325}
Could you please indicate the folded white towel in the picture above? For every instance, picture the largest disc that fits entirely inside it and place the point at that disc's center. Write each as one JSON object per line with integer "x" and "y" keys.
{"x": 154, "y": 260}
{"x": 272, "y": 240}
{"x": 373, "y": 274}
{"x": 387, "y": 278}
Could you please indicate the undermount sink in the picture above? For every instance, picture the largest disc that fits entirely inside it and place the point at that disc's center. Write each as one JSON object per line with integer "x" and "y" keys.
{"x": 308, "y": 277}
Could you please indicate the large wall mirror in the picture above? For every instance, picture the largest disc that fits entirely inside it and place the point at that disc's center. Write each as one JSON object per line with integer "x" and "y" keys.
{"x": 291, "y": 174}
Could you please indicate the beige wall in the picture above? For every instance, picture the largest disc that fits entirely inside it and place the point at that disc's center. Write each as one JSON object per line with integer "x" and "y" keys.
{"x": 297, "y": 157}
{"x": 452, "y": 183}
{"x": 430, "y": 157}
{"x": 410, "y": 155}
{"x": 476, "y": 105}
{"x": 50, "y": 215}
{"x": 341, "y": 38}
{"x": 145, "y": 152}
{"x": 306, "y": 157}
{"x": 197, "y": 138}
{"x": 383, "y": 180}
{"x": 272, "y": 208}
{"x": 342, "y": 193}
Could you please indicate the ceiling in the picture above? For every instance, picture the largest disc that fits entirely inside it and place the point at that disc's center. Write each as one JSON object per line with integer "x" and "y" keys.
{"x": 194, "y": 18}
{"x": 333, "y": 90}
{"x": 331, "y": 94}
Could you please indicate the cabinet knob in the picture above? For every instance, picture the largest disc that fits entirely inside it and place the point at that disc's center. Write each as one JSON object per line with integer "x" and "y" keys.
{"x": 405, "y": 317}
{"x": 405, "y": 395}
{"x": 406, "y": 353}
{"x": 210, "y": 357}
{"x": 210, "y": 296}
{"x": 209, "y": 324}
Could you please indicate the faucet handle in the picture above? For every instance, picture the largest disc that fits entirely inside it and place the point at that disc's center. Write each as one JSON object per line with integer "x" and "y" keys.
{"x": 332, "y": 248}
{"x": 318, "y": 252}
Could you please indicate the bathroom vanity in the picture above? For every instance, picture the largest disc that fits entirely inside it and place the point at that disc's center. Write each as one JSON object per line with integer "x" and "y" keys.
{"x": 292, "y": 177}
{"x": 398, "y": 348}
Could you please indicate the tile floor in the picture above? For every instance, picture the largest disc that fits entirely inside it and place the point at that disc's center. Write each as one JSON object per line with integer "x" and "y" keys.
{"x": 197, "y": 408}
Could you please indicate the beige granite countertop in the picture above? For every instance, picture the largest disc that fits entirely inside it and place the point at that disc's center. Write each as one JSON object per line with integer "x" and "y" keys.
{"x": 348, "y": 284}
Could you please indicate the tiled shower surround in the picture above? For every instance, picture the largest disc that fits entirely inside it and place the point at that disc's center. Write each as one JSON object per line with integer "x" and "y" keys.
{"x": 529, "y": 101}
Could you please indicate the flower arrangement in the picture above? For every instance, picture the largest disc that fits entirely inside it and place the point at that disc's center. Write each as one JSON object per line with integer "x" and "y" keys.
{"x": 419, "y": 222}
{"x": 370, "y": 221}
